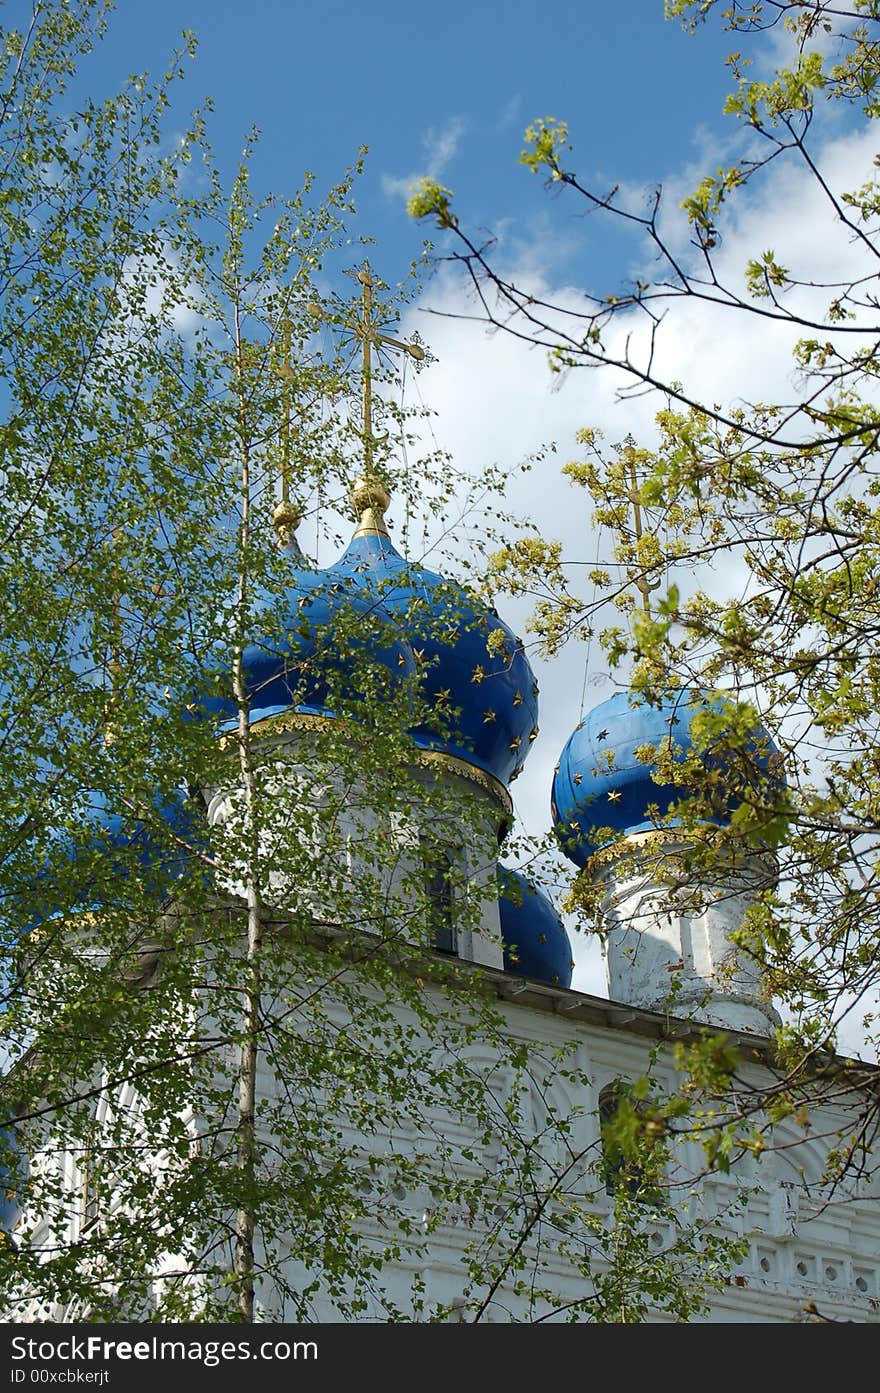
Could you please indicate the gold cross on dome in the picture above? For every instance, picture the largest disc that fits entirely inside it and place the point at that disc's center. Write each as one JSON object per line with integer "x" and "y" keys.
{"x": 286, "y": 516}
{"x": 364, "y": 325}
{"x": 628, "y": 457}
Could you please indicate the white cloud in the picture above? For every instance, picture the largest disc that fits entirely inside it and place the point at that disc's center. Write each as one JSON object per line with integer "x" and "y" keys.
{"x": 780, "y": 46}
{"x": 511, "y": 112}
{"x": 440, "y": 146}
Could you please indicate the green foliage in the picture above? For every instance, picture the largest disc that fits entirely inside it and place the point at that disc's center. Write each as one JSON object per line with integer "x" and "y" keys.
{"x": 531, "y": 566}
{"x": 431, "y": 199}
{"x": 765, "y": 275}
{"x": 546, "y": 140}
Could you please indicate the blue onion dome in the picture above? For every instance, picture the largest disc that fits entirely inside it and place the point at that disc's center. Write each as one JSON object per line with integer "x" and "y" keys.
{"x": 476, "y": 682}
{"x": 601, "y": 788}
{"x": 328, "y": 642}
{"x": 13, "y": 1177}
{"x": 535, "y": 942}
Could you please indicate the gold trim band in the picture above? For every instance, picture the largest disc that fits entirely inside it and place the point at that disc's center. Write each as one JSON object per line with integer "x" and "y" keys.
{"x": 307, "y": 720}
{"x": 656, "y": 838}
{"x": 469, "y": 771}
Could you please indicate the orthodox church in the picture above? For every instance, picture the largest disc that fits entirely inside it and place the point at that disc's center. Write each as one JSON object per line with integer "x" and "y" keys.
{"x": 673, "y": 967}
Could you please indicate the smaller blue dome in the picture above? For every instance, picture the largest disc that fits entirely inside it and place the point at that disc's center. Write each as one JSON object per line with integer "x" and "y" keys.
{"x": 535, "y": 942}
{"x": 91, "y": 866}
{"x": 600, "y": 782}
{"x": 329, "y": 644}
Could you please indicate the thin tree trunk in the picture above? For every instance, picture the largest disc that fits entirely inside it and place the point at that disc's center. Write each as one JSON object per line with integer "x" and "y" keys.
{"x": 245, "y": 1218}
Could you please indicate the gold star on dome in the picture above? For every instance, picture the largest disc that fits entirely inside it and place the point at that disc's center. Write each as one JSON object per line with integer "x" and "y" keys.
{"x": 419, "y": 655}
{"x": 515, "y": 742}
{"x": 478, "y": 673}
{"x": 444, "y": 696}
{"x": 488, "y": 717}
{"x": 578, "y": 778}
{"x": 533, "y": 734}
{"x": 517, "y": 698}
{"x": 613, "y": 795}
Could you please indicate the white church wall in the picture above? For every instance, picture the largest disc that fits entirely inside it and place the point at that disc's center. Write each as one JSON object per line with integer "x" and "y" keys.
{"x": 804, "y": 1242}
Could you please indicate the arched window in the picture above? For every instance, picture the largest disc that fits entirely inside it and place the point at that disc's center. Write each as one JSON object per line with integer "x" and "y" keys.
{"x": 632, "y": 1148}
{"x": 440, "y": 897}
{"x": 90, "y": 1173}
{"x": 92, "y": 1163}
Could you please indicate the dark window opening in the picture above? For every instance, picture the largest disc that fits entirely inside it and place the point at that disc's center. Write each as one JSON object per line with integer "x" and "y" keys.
{"x": 440, "y": 896}
{"x": 632, "y": 1157}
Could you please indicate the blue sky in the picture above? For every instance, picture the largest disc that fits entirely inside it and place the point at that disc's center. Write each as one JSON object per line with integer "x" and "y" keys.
{"x": 442, "y": 89}
{"x": 448, "y": 91}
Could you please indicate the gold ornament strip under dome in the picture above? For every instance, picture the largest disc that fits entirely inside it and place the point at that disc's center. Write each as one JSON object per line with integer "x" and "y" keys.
{"x": 653, "y": 839}
{"x": 306, "y": 720}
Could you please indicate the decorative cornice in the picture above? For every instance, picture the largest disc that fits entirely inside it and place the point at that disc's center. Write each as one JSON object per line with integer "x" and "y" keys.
{"x": 670, "y": 840}
{"x": 296, "y": 720}
{"x": 301, "y": 721}
{"x": 469, "y": 771}
{"x": 655, "y": 839}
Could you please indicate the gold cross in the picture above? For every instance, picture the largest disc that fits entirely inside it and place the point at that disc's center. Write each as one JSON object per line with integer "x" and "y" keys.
{"x": 365, "y": 327}
{"x": 642, "y": 584}
{"x": 286, "y": 517}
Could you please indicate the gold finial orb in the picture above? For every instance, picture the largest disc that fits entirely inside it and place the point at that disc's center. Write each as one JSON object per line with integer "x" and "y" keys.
{"x": 369, "y": 493}
{"x": 285, "y": 520}
{"x": 370, "y": 498}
